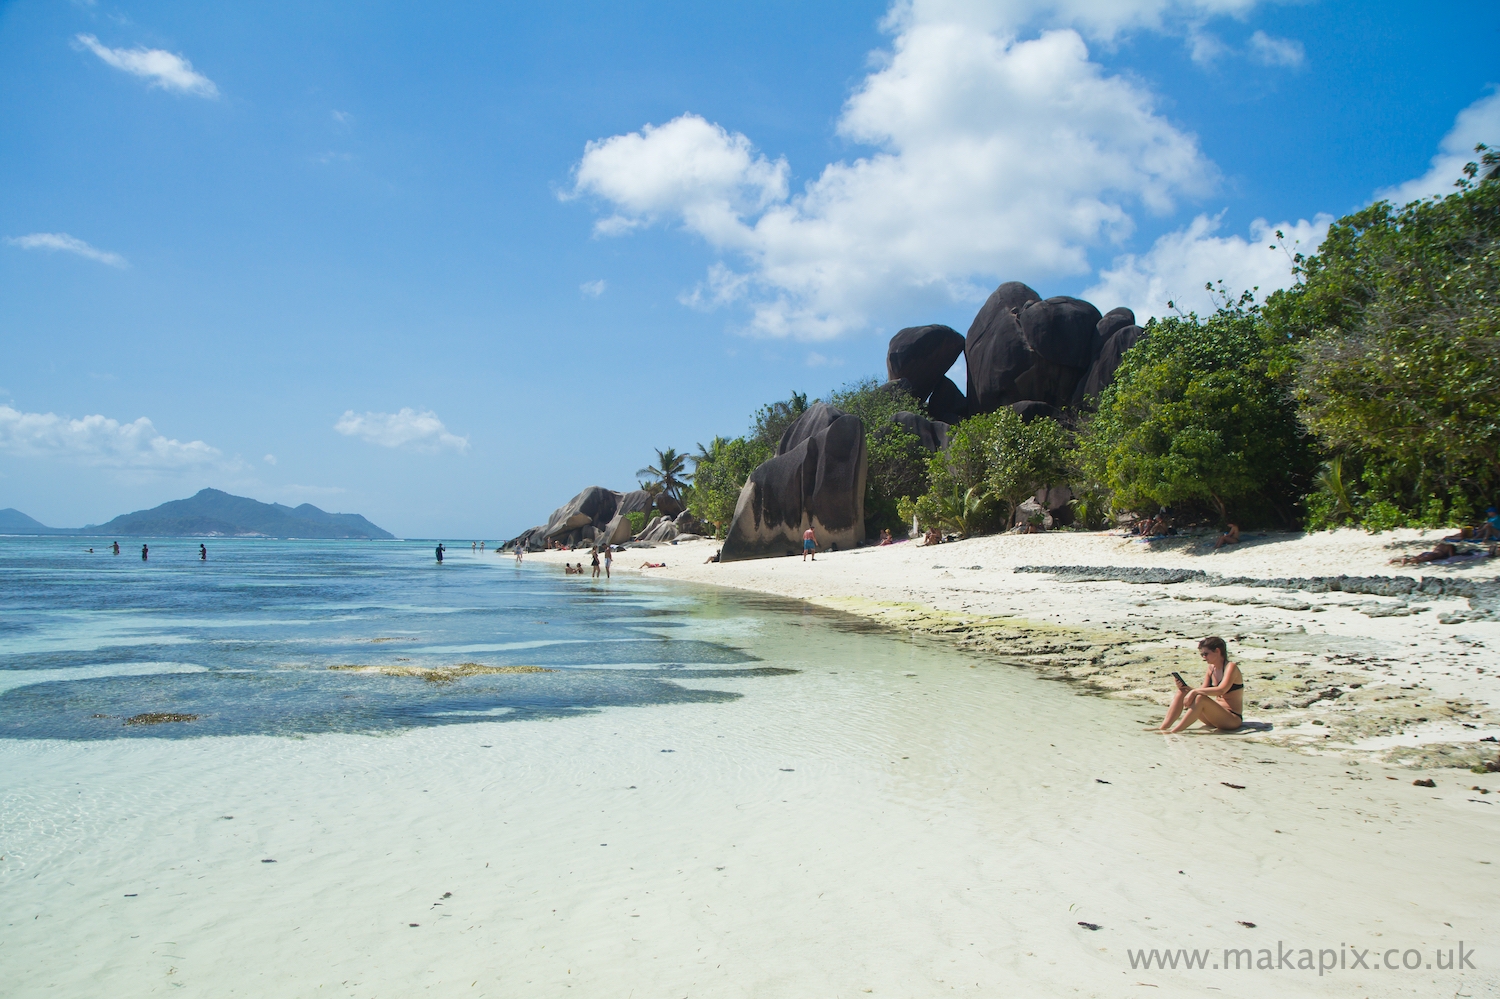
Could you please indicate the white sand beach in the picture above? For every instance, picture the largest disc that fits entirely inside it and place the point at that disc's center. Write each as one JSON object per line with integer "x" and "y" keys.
{"x": 901, "y": 816}
{"x": 1412, "y": 677}
{"x": 887, "y": 821}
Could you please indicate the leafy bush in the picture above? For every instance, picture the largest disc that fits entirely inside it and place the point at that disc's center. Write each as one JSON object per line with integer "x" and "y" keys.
{"x": 1195, "y": 417}
{"x": 719, "y": 471}
{"x": 896, "y": 460}
{"x": 637, "y": 522}
{"x": 1023, "y": 458}
{"x": 1398, "y": 332}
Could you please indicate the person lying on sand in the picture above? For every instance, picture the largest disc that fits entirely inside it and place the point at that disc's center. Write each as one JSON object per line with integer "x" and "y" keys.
{"x": 1229, "y": 537}
{"x": 1220, "y": 701}
{"x": 653, "y": 565}
{"x": 1441, "y": 550}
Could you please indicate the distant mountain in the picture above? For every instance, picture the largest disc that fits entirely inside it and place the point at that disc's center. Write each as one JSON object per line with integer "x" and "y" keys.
{"x": 13, "y": 521}
{"x": 215, "y": 513}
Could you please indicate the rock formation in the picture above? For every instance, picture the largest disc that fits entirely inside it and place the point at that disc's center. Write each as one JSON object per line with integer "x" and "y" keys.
{"x": 1042, "y": 357}
{"x": 922, "y": 355}
{"x": 816, "y": 479}
{"x": 932, "y": 433}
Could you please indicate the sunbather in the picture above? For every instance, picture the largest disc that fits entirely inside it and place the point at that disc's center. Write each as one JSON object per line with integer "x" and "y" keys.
{"x": 1440, "y": 551}
{"x": 1229, "y": 537}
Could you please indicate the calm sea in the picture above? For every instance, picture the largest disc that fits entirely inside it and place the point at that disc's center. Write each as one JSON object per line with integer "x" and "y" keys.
{"x": 251, "y": 641}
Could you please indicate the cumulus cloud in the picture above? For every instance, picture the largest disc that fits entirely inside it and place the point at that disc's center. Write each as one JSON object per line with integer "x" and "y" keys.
{"x": 99, "y": 440}
{"x": 1270, "y": 51}
{"x": 1102, "y": 20}
{"x": 1479, "y": 122}
{"x": 1180, "y": 263}
{"x": 993, "y": 155}
{"x": 53, "y": 241}
{"x": 162, "y": 68}
{"x": 408, "y": 428}
{"x": 593, "y": 289}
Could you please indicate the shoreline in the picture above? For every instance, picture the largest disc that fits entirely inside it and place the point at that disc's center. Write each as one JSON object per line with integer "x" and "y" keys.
{"x": 1343, "y": 652}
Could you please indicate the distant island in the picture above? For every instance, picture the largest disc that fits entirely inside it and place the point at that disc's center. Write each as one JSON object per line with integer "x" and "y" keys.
{"x": 213, "y": 513}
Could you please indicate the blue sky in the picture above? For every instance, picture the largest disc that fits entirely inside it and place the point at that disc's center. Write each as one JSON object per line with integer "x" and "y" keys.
{"x": 444, "y": 266}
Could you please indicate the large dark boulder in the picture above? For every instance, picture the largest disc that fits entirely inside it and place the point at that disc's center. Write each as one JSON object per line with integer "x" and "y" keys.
{"x": 1030, "y": 409}
{"x": 1114, "y": 319}
{"x": 922, "y": 355}
{"x": 947, "y": 402}
{"x": 1102, "y": 374}
{"x": 994, "y": 350}
{"x": 618, "y": 531}
{"x": 594, "y": 507}
{"x": 1061, "y": 331}
{"x": 932, "y": 433}
{"x": 816, "y": 479}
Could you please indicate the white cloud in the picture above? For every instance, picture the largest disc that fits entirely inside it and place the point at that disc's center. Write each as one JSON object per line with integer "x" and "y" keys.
{"x": 994, "y": 156}
{"x": 1179, "y": 264}
{"x": 419, "y": 431}
{"x": 53, "y": 241}
{"x": 593, "y": 289}
{"x": 99, "y": 440}
{"x": 1103, "y": 20}
{"x": 162, "y": 68}
{"x": 1271, "y": 51}
{"x": 269, "y": 459}
{"x": 1479, "y": 122}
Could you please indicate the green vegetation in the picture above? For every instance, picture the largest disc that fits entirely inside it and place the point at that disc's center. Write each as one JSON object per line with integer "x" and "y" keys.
{"x": 1196, "y": 419}
{"x": 669, "y": 475}
{"x": 1396, "y": 327}
{"x": 1368, "y": 393}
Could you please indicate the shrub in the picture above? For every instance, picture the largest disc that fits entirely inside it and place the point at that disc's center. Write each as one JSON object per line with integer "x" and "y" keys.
{"x": 1398, "y": 332}
{"x": 1195, "y": 417}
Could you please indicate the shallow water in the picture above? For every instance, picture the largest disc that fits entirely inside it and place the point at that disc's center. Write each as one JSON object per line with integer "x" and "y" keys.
{"x": 257, "y": 640}
{"x": 714, "y": 794}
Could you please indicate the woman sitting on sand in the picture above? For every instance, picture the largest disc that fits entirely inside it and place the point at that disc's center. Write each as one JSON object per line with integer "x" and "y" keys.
{"x": 1219, "y": 703}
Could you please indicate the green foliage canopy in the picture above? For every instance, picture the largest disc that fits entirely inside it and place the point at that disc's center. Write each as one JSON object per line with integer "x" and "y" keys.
{"x": 1195, "y": 416}
{"x": 1397, "y": 327}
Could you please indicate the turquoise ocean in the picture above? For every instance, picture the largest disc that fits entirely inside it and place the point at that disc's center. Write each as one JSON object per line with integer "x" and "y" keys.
{"x": 250, "y": 641}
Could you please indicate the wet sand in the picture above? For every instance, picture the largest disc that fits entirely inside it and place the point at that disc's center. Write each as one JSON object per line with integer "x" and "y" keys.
{"x": 1342, "y": 651}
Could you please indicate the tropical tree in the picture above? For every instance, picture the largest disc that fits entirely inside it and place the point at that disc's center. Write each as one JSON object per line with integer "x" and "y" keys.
{"x": 1396, "y": 329}
{"x": 1023, "y": 458}
{"x": 1197, "y": 415}
{"x": 669, "y": 472}
{"x": 719, "y": 472}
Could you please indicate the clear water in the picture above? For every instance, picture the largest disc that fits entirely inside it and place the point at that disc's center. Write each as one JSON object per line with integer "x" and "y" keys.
{"x": 247, "y": 641}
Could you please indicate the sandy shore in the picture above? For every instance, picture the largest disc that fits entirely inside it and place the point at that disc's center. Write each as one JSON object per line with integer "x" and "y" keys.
{"x": 1342, "y": 651}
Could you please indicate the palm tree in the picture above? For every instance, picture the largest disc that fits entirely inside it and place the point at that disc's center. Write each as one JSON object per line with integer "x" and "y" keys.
{"x": 670, "y": 472}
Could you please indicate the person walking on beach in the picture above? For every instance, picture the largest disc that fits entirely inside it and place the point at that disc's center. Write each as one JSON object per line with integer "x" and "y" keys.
{"x": 1219, "y": 702}
{"x": 117, "y": 548}
{"x": 203, "y": 553}
{"x": 594, "y": 557}
{"x": 609, "y": 559}
{"x": 518, "y": 553}
{"x": 144, "y": 552}
{"x": 439, "y": 552}
{"x": 809, "y": 545}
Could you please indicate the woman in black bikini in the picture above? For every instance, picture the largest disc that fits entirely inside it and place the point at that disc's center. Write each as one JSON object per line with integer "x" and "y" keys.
{"x": 1219, "y": 703}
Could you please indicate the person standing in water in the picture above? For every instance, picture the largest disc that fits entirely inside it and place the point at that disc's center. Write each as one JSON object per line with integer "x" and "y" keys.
{"x": 203, "y": 553}
{"x": 439, "y": 552}
{"x": 609, "y": 559}
{"x": 117, "y": 548}
{"x": 518, "y": 553}
{"x": 594, "y": 558}
{"x": 809, "y": 545}
{"x": 144, "y": 552}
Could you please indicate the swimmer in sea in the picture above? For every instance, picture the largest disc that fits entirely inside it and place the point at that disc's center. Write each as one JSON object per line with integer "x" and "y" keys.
{"x": 203, "y": 553}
